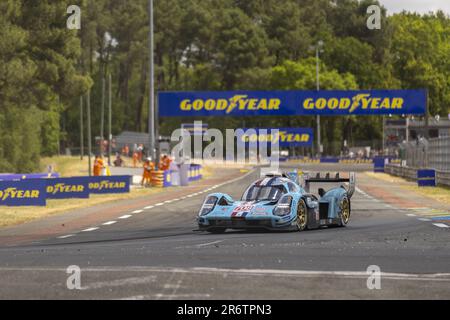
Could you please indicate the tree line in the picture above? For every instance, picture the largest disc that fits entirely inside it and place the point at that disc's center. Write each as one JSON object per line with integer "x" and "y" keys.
{"x": 202, "y": 45}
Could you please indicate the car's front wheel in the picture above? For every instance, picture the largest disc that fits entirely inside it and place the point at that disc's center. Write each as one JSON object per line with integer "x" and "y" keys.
{"x": 302, "y": 216}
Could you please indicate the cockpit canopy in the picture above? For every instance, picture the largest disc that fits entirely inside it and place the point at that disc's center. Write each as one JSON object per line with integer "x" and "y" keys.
{"x": 268, "y": 189}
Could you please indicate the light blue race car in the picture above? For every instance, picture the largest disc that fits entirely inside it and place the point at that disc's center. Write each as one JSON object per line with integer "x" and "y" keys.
{"x": 279, "y": 202}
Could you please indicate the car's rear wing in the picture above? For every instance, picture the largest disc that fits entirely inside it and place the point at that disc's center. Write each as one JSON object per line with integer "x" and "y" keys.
{"x": 351, "y": 180}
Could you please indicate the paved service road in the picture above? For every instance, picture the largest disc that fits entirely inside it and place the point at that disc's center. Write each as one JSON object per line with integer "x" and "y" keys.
{"x": 154, "y": 253}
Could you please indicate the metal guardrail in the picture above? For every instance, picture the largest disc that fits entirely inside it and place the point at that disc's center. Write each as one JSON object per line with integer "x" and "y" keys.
{"x": 404, "y": 172}
{"x": 442, "y": 177}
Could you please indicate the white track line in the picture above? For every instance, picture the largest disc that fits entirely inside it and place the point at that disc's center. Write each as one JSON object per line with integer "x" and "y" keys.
{"x": 209, "y": 243}
{"x": 424, "y": 219}
{"x": 441, "y": 225}
{"x": 411, "y": 215}
{"x": 160, "y": 204}
{"x": 90, "y": 229}
{"x": 248, "y": 272}
{"x": 109, "y": 223}
{"x": 66, "y": 236}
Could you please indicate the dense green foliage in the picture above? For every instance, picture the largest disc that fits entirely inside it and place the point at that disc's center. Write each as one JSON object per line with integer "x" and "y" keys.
{"x": 201, "y": 45}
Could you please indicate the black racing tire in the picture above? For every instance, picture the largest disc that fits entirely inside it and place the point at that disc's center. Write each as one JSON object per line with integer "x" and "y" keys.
{"x": 217, "y": 230}
{"x": 344, "y": 213}
{"x": 302, "y": 216}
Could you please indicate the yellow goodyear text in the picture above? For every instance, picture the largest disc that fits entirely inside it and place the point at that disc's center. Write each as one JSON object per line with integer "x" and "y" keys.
{"x": 237, "y": 102}
{"x": 104, "y": 185}
{"x": 63, "y": 188}
{"x": 356, "y": 161}
{"x": 360, "y": 101}
{"x": 14, "y": 193}
{"x": 282, "y": 136}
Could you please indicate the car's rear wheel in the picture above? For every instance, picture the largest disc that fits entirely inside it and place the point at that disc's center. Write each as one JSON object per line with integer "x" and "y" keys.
{"x": 302, "y": 216}
{"x": 344, "y": 215}
{"x": 216, "y": 230}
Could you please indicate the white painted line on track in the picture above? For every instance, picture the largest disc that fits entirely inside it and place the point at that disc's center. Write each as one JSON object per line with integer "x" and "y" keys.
{"x": 121, "y": 282}
{"x": 125, "y": 216}
{"x": 247, "y": 272}
{"x": 159, "y": 204}
{"x": 411, "y": 215}
{"x": 209, "y": 243}
{"x": 66, "y": 236}
{"x": 138, "y": 211}
{"x": 109, "y": 223}
{"x": 90, "y": 229}
{"x": 441, "y": 225}
{"x": 149, "y": 207}
{"x": 424, "y": 219}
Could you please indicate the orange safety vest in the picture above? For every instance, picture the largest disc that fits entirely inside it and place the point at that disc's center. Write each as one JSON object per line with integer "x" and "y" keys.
{"x": 98, "y": 165}
{"x": 148, "y": 168}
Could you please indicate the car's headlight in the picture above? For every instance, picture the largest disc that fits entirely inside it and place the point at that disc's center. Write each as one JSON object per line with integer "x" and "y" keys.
{"x": 208, "y": 205}
{"x": 283, "y": 208}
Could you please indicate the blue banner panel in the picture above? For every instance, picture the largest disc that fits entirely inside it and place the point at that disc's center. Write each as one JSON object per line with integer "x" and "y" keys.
{"x": 288, "y": 103}
{"x": 109, "y": 184}
{"x": 9, "y": 177}
{"x": 66, "y": 188}
{"x": 23, "y": 193}
{"x": 295, "y": 137}
{"x": 378, "y": 164}
{"x": 426, "y": 178}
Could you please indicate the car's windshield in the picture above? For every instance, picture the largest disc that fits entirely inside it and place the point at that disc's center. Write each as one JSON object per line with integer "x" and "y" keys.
{"x": 272, "y": 193}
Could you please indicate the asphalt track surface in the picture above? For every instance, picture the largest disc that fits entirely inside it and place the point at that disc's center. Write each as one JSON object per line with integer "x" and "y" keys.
{"x": 157, "y": 254}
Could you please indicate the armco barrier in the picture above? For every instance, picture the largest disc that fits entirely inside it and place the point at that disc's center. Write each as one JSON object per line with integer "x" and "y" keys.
{"x": 442, "y": 177}
{"x": 66, "y": 188}
{"x": 404, "y": 172}
{"x": 23, "y": 193}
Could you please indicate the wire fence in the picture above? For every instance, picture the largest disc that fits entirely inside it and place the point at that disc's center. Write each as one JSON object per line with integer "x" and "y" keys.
{"x": 433, "y": 153}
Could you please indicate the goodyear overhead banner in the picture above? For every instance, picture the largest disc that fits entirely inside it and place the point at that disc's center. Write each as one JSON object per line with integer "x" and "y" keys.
{"x": 285, "y": 103}
{"x": 295, "y": 137}
{"x": 23, "y": 193}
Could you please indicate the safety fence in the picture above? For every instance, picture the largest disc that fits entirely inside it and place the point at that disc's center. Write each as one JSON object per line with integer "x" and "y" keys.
{"x": 433, "y": 153}
{"x": 36, "y": 191}
{"x": 421, "y": 156}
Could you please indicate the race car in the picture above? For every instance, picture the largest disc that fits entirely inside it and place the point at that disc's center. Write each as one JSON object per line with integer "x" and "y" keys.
{"x": 280, "y": 202}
